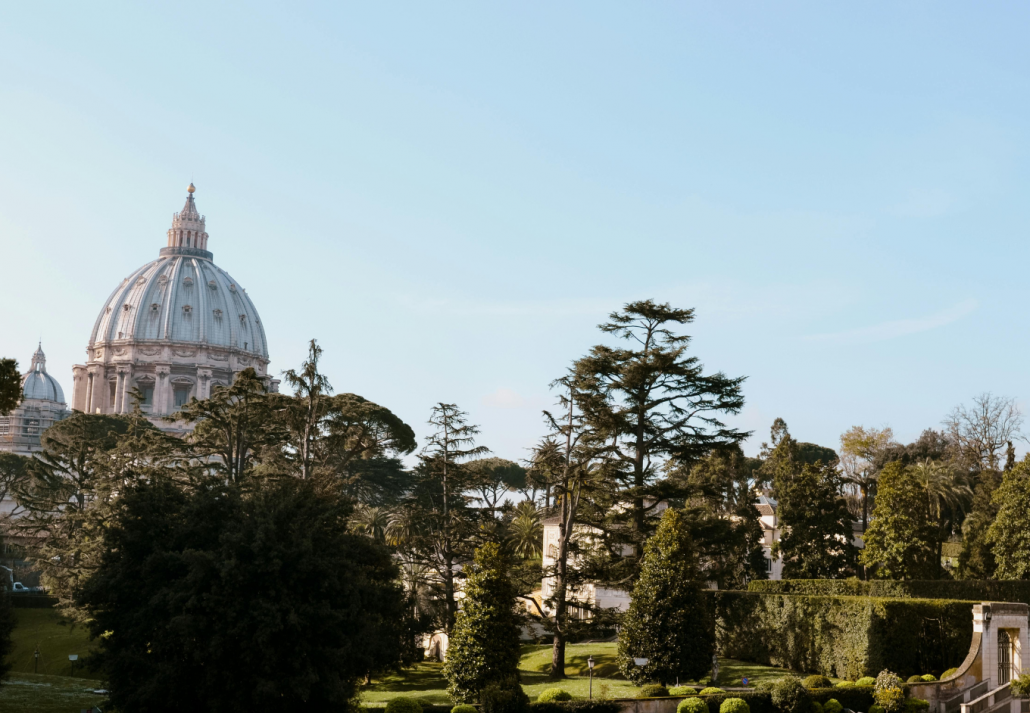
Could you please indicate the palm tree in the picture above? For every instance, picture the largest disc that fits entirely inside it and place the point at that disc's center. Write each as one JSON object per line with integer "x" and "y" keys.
{"x": 948, "y": 498}
{"x": 372, "y": 522}
{"x": 526, "y": 531}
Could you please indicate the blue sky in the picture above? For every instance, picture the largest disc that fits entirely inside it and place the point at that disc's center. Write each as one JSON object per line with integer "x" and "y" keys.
{"x": 451, "y": 196}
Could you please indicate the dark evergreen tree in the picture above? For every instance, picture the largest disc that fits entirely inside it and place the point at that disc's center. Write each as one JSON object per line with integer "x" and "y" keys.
{"x": 817, "y": 534}
{"x": 668, "y": 621}
{"x": 220, "y": 599}
{"x": 484, "y": 646}
{"x": 900, "y": 541}
{"x": 10, "y": 386}
{"x": 976, "y": 560}
{"x": 7, "y": 623}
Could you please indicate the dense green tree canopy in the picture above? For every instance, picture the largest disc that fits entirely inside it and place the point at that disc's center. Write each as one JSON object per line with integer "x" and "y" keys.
{"x": 899, "y": 543}
{"x": 1009, "y": 533}
{"x": 10, "y": 386}
{"x": 217, "y": 600}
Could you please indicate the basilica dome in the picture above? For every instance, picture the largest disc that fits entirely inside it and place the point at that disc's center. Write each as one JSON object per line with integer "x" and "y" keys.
{"x": 38, "y": 385}
{"x": 174, "y": 328}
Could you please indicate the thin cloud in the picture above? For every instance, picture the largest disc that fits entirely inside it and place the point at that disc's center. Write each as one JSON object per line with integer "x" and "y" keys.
{"x": 897, "y": 328}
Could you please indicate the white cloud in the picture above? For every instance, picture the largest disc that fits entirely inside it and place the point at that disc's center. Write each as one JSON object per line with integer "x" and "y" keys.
{"x": 505, "y": 398}
{"x": 898, "y": 327}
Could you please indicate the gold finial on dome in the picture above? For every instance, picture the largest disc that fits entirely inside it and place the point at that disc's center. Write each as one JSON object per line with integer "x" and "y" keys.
{"x": 191, "y": 188}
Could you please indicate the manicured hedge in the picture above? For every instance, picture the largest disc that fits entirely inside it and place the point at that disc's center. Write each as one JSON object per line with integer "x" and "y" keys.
{"x": 845, "y": 637}
{"x": 32, "y": 601}
{"x": 588, "y": 706}
{"x": 963, "y": 590}
{"x": 857, "y": 698}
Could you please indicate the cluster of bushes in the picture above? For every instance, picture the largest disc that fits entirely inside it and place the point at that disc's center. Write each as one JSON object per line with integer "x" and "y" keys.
{"x": 983, "y": 590}
{"x": 842, "y": 636}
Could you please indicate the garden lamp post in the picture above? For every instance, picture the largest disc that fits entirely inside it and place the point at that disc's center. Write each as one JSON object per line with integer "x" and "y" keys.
{"x": 590, "y": 674}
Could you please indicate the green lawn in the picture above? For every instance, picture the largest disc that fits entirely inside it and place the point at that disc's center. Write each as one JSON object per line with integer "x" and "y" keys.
{"x": 30, "y": 693}
{"x": 426, "y": 681}
{"x": 56, "y": 638}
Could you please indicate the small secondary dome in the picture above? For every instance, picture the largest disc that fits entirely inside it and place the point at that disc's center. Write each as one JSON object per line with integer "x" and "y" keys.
{"x": 38, "y": 385}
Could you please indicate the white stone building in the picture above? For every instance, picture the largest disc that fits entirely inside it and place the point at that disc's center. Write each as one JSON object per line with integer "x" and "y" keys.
{"x": 41, "y": 407}
{"x": 175, "y": 329}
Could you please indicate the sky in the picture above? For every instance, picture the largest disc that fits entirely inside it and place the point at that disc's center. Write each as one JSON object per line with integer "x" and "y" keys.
{"x": 450, "y": 197}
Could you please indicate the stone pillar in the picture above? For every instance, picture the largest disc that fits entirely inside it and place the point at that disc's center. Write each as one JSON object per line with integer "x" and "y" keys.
{"x": 116, "y": 407}
{"x": 88, "y": 405}
{"x": 203, "y": 384}
{"x": 126, "y": 388}
{"x": 162, "y": 392}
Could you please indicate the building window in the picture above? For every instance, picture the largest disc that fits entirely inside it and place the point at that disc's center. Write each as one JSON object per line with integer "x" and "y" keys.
{"x": 148, "y": 394}
{"x": 768, "y": 565}
{"x": 182, "y": 395}
{"x": 5, "y": 426}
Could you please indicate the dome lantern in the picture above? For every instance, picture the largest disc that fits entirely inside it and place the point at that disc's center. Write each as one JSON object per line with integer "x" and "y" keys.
{"x": 188, "y": 234}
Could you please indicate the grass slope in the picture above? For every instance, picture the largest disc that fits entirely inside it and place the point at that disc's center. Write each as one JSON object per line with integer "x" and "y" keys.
{"x": 426, "y": 681}
{"x": 56, "y": 639}
{"x": 29, "y": 693}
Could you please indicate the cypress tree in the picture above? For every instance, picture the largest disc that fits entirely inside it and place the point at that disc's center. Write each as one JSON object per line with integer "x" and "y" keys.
{"x": 668, "y": 621}
{"x": 484, "y": 646}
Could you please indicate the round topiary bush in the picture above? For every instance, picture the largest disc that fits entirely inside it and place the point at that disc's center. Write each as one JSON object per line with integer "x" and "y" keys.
{"x": 692, "y": 705}
{"x": 928, "y": 677}
{"x": 817, "y": 682}
{"x": 832, "y": 706}
{"x": 866, "y": 681}
{"x": 734, "y": 705}
{"x": 653, "y": 690}
{"x": 710, "y": 690}
{"x": 789, "y": 695}
{"x": 403, "y": 705}
{"x": 914, "y": 679}
{"x": 950, "y": 672}
{"x": 504, "y": 697}
{"x": 682, "y": 691}
{"x": 817, "y": 707}
{"x": 845, "y": 684}
{"x": 916, "y": 705}
{"x": 554, "y": 694}
{"x": 464, "y": 708}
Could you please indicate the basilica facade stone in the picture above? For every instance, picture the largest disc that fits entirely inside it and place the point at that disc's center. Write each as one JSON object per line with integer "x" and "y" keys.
{"x": 175, "y": 329}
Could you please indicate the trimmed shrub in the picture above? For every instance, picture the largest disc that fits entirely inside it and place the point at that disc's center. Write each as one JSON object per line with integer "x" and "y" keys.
{"x": 506, "y": 698}
{"x": 856, "y": 698}
{"x": 928, "y": 678}
{"x": 789, "y": 695}
{"x": 844, "y": 684}
{"x": 710, "y": 690}
{"x": 682, "y": 691}
{"x": 734, "y": 705}
{"x": 669, "y": 620}
{"x": 692, "y": 705}
{"x": 464, "y": 708}
{"x": 914, "y": 679}
{"x": 916, "y": 705}
{"x": 653, "y": 690}
{"x": 554, "y": 694}
{"x": 575, "y": 706}
{"x": 949, "y": 672}
{"x": 876, "y": 709}
{"x": 816, "y": 707}
{"x": 962, "y": 589}
{"x": 817, "y": 682}
{"x": 842, "y": 636}
{"x": 832, "y": 706}
{"x": 484, "y": 646}
{"x": 866, "y": 681}
{"x": 403, "y": 705}
{"x": 1020, "y": 686}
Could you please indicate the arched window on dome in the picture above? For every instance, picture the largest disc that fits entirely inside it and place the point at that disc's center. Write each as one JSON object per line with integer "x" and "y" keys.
{"x": 188, "y": 236}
